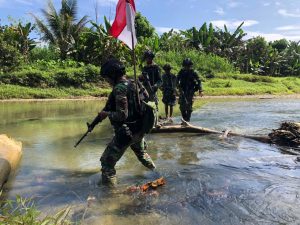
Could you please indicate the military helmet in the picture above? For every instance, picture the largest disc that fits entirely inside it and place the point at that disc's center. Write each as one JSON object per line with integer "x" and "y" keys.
{"x": 187, "y": 62}
{"x": 112, "y": 68}
{"x": 167, "y": 67}
{"x": 148, "y": 54}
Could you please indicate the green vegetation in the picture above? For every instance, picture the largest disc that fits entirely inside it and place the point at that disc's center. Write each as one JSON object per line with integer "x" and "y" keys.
{"x": 235, "y": 84}
{"x": 68, "y": 65}
{"x": 23, "y": 211}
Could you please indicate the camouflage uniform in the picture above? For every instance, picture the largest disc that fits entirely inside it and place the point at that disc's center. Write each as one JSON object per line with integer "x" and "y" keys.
{"x": 188, "y": 83}
{"x": 125, "y": 117}
{"x": 169, "y": 89}
{"x": 154, "y": 80}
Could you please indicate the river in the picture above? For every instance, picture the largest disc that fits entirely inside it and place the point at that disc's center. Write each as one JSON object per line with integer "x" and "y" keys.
{"x": 210, "y": 180}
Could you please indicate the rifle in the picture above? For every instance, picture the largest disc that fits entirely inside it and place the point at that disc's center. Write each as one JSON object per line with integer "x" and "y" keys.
{"x": 184, "y": 96}
{"x": 151, "y": 89}
{"x": 90, "y": 129}
{"x": 86, "y": 133}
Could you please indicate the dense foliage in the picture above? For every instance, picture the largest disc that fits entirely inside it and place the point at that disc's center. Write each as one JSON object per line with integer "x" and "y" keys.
{"x": 75, "y": 48}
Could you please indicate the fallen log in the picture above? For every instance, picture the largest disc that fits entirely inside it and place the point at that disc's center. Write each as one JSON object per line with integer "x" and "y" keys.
{"x": 10, "y": 155}
{"x": 186, "y": 127}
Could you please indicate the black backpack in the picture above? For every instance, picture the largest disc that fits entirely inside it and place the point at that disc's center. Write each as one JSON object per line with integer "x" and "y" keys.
{"x": 140, "y": 108}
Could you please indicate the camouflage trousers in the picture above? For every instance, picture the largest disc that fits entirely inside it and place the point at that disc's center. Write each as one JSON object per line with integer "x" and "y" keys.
{"x": 117, "y": 147}
{"x": 186, "y": 106}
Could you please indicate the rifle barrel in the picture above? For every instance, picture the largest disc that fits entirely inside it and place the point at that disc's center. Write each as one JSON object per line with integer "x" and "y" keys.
{"x": 78, "y": 142}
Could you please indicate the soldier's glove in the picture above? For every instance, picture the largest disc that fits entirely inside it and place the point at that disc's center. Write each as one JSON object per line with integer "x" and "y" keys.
{"x": 127, "y": 131}
{"x": 123, "y": 134}
{"x": 90, "y": 127}
{"x": 101, "y": 116}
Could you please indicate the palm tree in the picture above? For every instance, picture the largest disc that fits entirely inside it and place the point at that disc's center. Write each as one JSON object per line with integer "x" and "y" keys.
{"x": 62, "y": 29}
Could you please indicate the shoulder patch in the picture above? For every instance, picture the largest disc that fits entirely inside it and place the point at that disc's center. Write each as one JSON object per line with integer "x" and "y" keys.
{"x": 121, "y": 88}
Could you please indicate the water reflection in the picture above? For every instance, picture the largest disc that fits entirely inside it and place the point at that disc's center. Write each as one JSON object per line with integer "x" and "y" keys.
{"x": 209, "y": 180}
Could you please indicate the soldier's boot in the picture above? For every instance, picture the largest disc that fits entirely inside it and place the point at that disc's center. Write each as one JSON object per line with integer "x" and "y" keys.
{"x": 109, "y": 180}
{"x": 146, "y": 160}
{"x": 188, "y": 116}
{"x": 184, "y": 116}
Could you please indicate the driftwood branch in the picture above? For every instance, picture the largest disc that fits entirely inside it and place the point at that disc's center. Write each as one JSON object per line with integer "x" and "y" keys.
{"x": 185, "y": 127}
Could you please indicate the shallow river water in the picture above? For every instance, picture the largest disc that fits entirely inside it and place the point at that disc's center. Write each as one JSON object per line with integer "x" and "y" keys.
{"x": 209, "y": 180}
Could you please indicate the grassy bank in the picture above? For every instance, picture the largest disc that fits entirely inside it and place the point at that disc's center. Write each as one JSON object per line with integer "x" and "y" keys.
{"x": 247, "y": 84}
{"x": 15, "y": 91}
{"x": 219, "y": 85}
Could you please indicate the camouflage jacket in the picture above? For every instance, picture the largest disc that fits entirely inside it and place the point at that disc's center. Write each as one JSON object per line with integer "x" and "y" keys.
{"x": 169, "y": 82}
{"x": 122, "y": 103}
{"x": 153, "y": 73}
{"x": 188, "y": 81}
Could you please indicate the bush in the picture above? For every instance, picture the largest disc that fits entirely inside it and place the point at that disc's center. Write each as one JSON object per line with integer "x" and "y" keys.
{"x": 45, "y": 53}
{"x": 32, "y": 78}
{"x": 71, "y": 77}
{"x": 204, "y": 63}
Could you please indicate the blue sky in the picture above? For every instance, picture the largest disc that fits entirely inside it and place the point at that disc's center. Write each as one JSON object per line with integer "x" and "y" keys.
{"x": 273, "y": 19}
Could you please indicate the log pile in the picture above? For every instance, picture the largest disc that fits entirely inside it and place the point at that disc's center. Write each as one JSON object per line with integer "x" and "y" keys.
{"x": 287, "y": 135}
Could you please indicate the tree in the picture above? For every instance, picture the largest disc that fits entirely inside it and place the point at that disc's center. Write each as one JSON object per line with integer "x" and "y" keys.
{"x": 62, "y": 28}
{"x": 24, "y": 43}
{"x": 257, "y": 50}
{"x": 280, "y": 45}
{"x": 172, "y": 41}
{"x": 143, "y": 27}
{"x": 17, "y": 35}
{"x": 292, "y": 57}
{"x": 201, "y": 39}
{"x": 10, "y": 58}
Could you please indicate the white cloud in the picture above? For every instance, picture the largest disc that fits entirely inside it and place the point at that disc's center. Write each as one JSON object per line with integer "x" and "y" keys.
{"x": 284, "y": 12}
{"x": 107, "y": 2}
{"x": 288, "y": 28}
{"x": 234, "y": 24}
{"x": 25, "y": 2}
{"x": 266, "y": 4}
{"x": 233, "y": 4}
{"x": 220, "y": 11}
{"x": 161, "y": 30}
{"x": 272, "y": 36}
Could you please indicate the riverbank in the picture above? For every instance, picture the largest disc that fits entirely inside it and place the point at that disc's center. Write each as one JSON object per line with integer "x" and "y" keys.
{"x": 91, "y": 98}
{"x": 222, "y": 85}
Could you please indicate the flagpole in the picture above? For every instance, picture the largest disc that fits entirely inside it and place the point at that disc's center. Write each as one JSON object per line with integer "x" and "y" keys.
{"x": 134, "y": 61}
{"x": 134, "y": 69}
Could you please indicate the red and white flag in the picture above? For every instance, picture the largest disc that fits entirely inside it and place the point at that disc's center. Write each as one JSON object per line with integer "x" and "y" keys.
{"x": 123, "y": 27}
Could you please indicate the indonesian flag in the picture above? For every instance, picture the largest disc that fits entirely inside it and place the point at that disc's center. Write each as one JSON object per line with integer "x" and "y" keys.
{"x": 123, "y": 26}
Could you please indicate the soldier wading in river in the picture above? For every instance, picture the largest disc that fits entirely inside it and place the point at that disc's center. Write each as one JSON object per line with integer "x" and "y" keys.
{"x": 188, "y": 83}
{"x": 150, "y": 77}
{"x": 128, "y": 118}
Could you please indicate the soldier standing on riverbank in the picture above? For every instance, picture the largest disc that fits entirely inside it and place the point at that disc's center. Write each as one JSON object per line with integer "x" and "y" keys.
{"x": 168, "y": 87}
{"x": 188, "y": 83}
{"x": 123, "y": 110}
{"x": 151, "y": 77}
